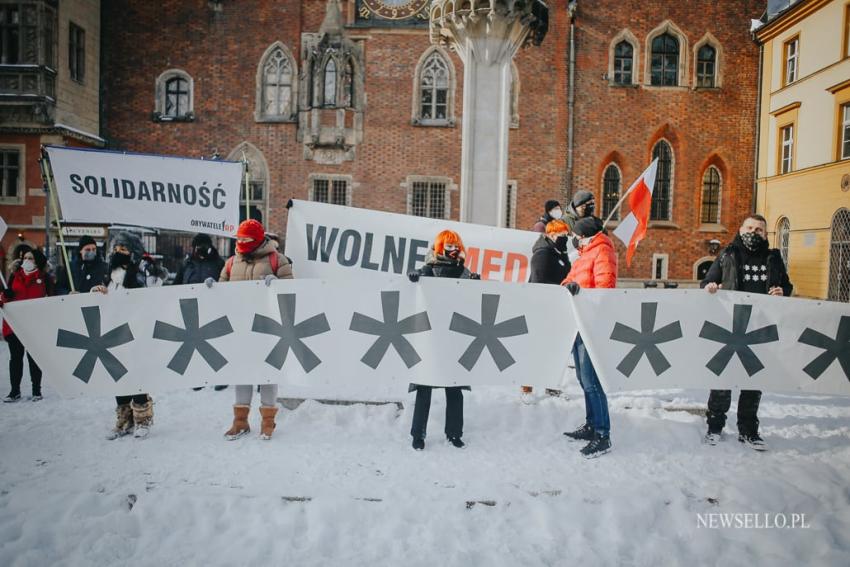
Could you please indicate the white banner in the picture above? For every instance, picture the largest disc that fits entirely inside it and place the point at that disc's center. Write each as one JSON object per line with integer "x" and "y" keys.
{"x": 650, "y": 339}
{"x": 331, "y": 241}
{"x": 176, "y": 193}
{"x": 360, "y": 339}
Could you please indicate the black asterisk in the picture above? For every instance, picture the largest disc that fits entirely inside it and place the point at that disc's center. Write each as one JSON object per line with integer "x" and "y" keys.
{"x": 96, "y": 345}
{"x": 834, "y": 349}
{"x": 291, "y": 334}
{"x": 194, "y": 337}
{"x": 738, "y": 341}
{"x": 390, "y": 331}
{"x": 646, "y": 341}
{"x": 487, "y": 334}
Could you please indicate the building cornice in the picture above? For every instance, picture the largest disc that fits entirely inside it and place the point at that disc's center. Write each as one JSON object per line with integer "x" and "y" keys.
{"x": 792, "y": 16}
{"x": 68, "y": 132}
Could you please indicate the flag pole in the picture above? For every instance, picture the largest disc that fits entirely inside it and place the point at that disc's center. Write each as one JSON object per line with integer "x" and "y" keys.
{"x": 247, "y": 186}
{"x": 46, "y": 174}
{"x": 623, "y": 198}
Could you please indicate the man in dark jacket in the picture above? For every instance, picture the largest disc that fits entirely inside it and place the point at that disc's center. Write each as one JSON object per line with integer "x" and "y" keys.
{"x": 747, "y": 265}
{"x": 203, "y": 262}
{"x": 88, "y": 269}
{"x": 551, "y": 211}
{"x": 582, "y": 205}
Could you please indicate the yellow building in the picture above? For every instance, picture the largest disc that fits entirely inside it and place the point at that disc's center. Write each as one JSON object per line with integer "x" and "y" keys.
{"x": 804, "y": 143}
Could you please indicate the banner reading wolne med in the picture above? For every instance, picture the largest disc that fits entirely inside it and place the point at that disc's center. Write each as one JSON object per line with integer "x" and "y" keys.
{"x": 165, "y": 192}
{"x": 331, "y": 241}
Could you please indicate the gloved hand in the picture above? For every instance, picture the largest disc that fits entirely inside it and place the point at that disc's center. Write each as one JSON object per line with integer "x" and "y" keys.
{"x": 413, "y": 276}
{"x": 269, "y": 278}
{"x": 474, "y": 276}
{"x": 209, "y": 282}
{"x": 9, "y": 294}
{"x": 573, "y": 288}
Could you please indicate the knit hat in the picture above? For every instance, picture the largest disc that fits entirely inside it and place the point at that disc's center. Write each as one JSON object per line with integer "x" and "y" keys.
{"x": 551, "y": 204}
{"x": 587, "y": 227}
{"x": 581, "y": 197}
{"x": 250, "y": 229}
{"x": 202, "y": 240}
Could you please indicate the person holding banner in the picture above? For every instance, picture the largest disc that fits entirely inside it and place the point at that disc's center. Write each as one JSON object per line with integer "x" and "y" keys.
{"x": 29, "y": 279}
{"x": 256, "y": 258}
{"x": 751, "y": 266}
{"x": 445, "y": 260}
{"x": 134, "y": 414}
{"x": 596, "y": 267}
{"x": 88, "y": 269}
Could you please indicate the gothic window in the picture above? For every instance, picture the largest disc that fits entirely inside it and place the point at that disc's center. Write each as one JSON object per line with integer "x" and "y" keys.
{"x": 10, "y": 34}
{"x": 77, "y": 52}
{"x": 256, "y": 200}
{"x": 433, "y": 88}
{"x": 174, "y": 100}
{"x": 710, "y": 196}
{"x": 277, "y": 85}
{"x": 839, "y": 257}
{"x": 706, "y": 66}
{"x": 611, "y": 184}
{"x": 329, "y": 84}
{"x": 623, "y": 63}
{"x": 783, "y": 238}
{"x": 662, "y": 191}
{"x": 665, "y": 61}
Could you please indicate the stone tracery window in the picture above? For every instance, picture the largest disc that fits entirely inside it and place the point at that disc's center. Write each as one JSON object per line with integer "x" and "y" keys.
{"x": 433, "y": 90}
{"x": 276, "y": 85}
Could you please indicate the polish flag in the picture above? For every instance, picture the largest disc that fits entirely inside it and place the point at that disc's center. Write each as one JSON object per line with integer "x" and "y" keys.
{"x": 632, "y": 229}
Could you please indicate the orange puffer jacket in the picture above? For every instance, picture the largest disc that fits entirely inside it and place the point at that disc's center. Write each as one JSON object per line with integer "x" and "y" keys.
{"x": 596, "y": 265}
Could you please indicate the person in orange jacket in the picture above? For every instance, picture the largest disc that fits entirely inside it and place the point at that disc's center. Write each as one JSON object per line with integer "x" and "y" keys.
{"x": 596, "y": 267}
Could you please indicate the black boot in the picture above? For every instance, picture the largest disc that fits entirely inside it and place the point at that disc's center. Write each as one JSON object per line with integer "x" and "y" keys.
{"x": 418, "y": 443}
{"x": 457, "y": 442}
{"x": 583, "y": 433}
{"x": 598, "y": 446}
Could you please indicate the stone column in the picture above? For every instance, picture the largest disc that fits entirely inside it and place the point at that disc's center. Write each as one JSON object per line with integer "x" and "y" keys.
{"x": 486, "y": 34}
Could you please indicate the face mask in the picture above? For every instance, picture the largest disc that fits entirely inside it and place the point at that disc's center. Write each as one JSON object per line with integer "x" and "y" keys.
{"x": 28, "y": 266}
{"x": 583, "y": 242}
{"x": 119, "y": 260}
{"x": 89, "y": 255}
{"x": 201, "y": 252}
{"x": 561, "y": 243}
{"x": 752, "y": 241}
{"x": 246, "y": 247}
{"x": 452, "y": 253}
{"x": 555, "y": 213}
{"x": 588, "y": 209}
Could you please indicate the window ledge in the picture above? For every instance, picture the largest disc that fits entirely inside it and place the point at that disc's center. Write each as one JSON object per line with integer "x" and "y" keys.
{"x": 666, "y": 87}
{"x": 614, "y": 85}
{"x": 275, "y": 120}
{"x": 711, "y": 227}
{"x": 159, "y": 117}
{"x": 11, "y": 201}
{"x": 448, "y": 123}
{"x": 663, "y": 224}
{"x": 708, "y": 89}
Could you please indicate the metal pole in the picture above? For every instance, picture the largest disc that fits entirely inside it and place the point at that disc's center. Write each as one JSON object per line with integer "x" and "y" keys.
{"x": 46, "y": 174}
{"x": 247, "y": 187}
{"x": 620, "y": 202}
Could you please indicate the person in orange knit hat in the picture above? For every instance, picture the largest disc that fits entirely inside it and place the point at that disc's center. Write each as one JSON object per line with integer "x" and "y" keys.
{"x": 445, "y": 260}
{"x": 256, "y": 258}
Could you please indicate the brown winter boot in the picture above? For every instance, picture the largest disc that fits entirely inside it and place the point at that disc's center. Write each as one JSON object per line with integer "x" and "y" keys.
{"x": 267, "y": 425}
{"x": 240, "y": 423}
{"x": 143, "y": 416}
{"x": 123, "y": 422}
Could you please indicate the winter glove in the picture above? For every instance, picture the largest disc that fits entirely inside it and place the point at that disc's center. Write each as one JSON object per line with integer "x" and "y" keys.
{"x": 209, "y": 282}
{"x": 9, "y": 294}
{"x": 573, "y": 288}
{"x": 474, "y": 276}
{"x": 268, "y": 279}
{"x": 413, "y": 276}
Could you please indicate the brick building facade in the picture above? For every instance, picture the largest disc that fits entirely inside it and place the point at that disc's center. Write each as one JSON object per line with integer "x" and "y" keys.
{"x": 199, "y": 77}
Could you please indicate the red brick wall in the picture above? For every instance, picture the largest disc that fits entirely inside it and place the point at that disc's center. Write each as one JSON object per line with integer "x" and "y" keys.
{"x": 33, "y": 205}
{"x": 221, "y": 52}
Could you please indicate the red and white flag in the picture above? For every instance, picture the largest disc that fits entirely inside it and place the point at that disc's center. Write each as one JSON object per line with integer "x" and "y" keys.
{"x": 632, "y": 229}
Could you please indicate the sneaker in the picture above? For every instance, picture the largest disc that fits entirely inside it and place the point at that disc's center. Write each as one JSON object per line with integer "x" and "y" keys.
{"x": 598, "y": 446}
{"x": 198, "y": 389}
{"x": 583, "y": 433}
{"x": 36, "y": 398}
{"x": 418, "y": 443}
{"x": 753, "y": 441}
{"x": 11, "y": 398}
{"x": 712, "y": 438}
{"x": 456, "y": 441}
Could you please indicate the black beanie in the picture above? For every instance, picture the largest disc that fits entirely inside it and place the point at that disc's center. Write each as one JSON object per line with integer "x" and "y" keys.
{"x": 550, "y": 204}
{"x": 85, "y": 240}
{"x": 202, "y": 240}
{"x": 581, "y": 197}
{"x": 587, "y": 227}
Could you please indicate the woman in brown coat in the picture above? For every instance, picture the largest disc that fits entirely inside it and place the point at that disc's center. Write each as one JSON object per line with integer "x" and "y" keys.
{"x": 256, "y": 258}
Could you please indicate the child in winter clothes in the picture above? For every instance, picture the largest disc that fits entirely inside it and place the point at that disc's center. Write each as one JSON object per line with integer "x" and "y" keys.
{"x": 134, "y": 414}
{"x": 256, "y": 258}
{"x": 28, "y": 280}
{"x": 445, "y": 260}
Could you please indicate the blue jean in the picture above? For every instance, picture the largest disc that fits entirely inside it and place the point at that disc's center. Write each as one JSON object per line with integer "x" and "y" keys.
{"x": 595, "y": 401}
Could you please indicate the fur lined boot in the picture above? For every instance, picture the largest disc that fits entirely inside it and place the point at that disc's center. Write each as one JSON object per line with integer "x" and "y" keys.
{"x": 267, "y": 426}
{"x": 240, "y": 425}
{"x": 123, "y": 422}
{"x": 143, "y": 416}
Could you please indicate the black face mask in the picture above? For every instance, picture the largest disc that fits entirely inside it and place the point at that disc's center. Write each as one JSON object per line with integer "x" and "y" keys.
{"x": 454, "y": 254}
{"x": 119, "y": 260}
{"x": 588, "y": 210}
{"x": 753, "y": 241}
{"x": 561, "y": 243}
{"x": 201, "y": 253}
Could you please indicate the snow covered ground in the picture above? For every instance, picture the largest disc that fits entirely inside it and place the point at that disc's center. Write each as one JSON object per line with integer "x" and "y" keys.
{"x": 340, "y": 485}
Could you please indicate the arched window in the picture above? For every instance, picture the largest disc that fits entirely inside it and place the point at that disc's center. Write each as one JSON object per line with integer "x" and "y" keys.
{"x": 710, "y": 196}
{"x": 434, "y": 88}
{"x": 783, "y": 238}
{"x": 623, "y": 63}
{"x": 611, "y": 184}
{"x": 256, "y": 199}
{"x": 706, "y": 66}
{"x": 174, "y": 94}
{"x": 277, "y": 85}
{"x": 348, "y": 85}
{"x": 329, "y": 82}
{"x": 663, "y": 190}
{"x": 839, "y": 257}
{"x": 664, "y": 65}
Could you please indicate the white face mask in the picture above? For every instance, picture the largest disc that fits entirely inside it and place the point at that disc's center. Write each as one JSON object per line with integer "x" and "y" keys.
{"x": 556, "y": 213}
{"x": 28, "y": 266}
